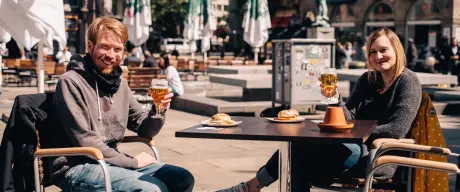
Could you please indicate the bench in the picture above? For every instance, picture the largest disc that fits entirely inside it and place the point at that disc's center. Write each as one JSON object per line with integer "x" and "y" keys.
{"x": 209, "y": 106}
{"x": 140, "y": 78}
{"x": 255, "y": 87}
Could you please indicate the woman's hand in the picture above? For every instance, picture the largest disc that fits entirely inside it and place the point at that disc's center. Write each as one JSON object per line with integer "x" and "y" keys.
{"x": 167, "y": 98}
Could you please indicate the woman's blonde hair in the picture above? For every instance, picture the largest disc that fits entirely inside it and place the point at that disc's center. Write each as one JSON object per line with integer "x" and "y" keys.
{"x": 398, "y": 68}
{"x": 107, "y": 25}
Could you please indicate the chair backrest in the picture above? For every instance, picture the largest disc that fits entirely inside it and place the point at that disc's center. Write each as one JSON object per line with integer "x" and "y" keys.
{"x": 426, "y": 130}
{"x": 27, "y": 64}
{"x": 140, "y": 78}
{"x": 49, "y": 67}
{"x": 32, "y": 111}
{"x": 12, "y": 63}
{"x": 59, "y": 69}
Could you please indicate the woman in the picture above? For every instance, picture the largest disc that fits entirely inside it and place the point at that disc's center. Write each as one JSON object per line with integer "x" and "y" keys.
{"x": 172, "y": 75}
{"x": 388, "y": 92}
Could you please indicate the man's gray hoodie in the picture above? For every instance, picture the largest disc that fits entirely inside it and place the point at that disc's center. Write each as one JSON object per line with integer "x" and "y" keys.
{"x": 89, "y": 117}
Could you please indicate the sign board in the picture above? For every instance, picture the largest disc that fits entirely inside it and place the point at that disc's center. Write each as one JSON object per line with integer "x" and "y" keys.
{"x": 298, "y": 64}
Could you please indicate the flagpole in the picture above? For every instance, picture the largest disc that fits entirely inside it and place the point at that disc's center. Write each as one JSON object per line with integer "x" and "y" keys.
{"x": 256, "y": 58}
{"x": 41, "y": 73}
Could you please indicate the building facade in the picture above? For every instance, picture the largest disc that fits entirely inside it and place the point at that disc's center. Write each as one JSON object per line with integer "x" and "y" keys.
{"x": 221, "y": 8}
{"x": 425, "y": 21}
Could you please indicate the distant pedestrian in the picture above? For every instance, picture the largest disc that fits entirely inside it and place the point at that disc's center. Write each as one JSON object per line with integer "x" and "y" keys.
{"x": 175, "y": 53}
{"x": 411, "y": 55}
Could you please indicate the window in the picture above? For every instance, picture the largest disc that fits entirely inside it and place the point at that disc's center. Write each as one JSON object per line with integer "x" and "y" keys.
{"x": 71, "y": 23}
{"x": 225, "y": 7}
{"x": 380, "y": 12}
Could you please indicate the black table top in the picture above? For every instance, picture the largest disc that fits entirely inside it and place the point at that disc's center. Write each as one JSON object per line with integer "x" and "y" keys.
{"x": 258, "y": 128}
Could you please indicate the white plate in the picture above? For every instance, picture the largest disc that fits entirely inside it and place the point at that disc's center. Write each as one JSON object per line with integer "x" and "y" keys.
{"x": 206, "y": 122}
{"x": 299, "y": 119}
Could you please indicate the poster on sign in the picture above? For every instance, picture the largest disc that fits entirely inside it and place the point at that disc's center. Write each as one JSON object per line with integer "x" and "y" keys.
{"x": 297, "y": 68}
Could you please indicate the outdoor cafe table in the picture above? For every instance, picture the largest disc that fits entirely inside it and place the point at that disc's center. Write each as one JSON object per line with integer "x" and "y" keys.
{"x": 257, "y": 128}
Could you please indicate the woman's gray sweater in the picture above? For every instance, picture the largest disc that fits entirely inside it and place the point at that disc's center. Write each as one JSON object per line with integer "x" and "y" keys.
{"x": 395, "y": 109}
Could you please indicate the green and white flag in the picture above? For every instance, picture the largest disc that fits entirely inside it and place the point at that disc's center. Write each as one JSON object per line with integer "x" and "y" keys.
{"x": 137, "y": 18}
{"x": 256, "y": 23}
{"x": 199, "y": 24}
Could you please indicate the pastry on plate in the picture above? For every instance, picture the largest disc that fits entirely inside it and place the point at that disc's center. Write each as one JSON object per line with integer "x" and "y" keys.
{"x": 221, "y": 119}
{"x": 287, "y": 115}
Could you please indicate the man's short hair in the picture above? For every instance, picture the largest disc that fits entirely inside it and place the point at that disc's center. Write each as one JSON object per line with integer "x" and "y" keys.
{"x": 107, "y": 24}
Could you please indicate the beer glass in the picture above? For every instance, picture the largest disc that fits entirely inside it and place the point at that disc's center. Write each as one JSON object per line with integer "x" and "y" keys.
{"x": 158, "y": 89}
{"x": 329, "y": 85}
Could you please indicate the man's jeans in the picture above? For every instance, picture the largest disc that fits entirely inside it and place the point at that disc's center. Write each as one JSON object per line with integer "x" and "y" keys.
{"x": 155, "y": 178}
{"x": 314, "y": 163}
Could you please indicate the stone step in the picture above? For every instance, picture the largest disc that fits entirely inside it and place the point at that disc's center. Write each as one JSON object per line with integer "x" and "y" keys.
{"x": 209, "y": 106}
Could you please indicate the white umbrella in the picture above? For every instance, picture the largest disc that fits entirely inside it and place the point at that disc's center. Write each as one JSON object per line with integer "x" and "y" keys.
{"x": 138, "y": 18}
{"x": 200, "y": 24}
{"x": 5, "y": 37}
{"x": 256, "y": 23}
{"x": 35, "y": 21}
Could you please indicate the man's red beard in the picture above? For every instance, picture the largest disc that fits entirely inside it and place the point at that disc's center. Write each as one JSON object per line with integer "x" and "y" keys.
{"x": 108, "y": 69}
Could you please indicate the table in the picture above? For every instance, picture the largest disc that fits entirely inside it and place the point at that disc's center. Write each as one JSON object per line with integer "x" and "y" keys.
{"x": 256, "y": 128}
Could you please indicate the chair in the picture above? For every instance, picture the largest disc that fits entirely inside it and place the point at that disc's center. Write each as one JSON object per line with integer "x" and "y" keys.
{"x": 45, "y": 102}
{"x": 11, "y": 70}
{"x": 384, "y": 145}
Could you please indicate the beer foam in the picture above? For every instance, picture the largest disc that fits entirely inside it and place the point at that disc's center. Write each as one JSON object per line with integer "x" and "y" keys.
{"x": 158, "y": 87}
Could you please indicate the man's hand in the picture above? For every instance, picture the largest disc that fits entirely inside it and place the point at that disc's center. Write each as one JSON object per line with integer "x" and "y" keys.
{"x": 455, "y": 57}
{"x": 144, "y": 159}
{"x": 167, "y": 98}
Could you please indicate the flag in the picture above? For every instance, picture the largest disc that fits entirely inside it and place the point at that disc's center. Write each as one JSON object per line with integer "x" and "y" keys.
{"x": 34, "y": 20}
{"x": 199, "y": 24}
{"x": 256, "y": 23}
{"x": 138, "y": 18}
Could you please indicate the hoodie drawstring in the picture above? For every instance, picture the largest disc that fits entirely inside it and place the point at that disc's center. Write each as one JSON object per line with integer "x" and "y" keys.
{"x": 99, "y": 104}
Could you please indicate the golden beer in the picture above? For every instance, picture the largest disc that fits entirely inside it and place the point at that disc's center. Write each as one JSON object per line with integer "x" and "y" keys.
{"x": 329, "y": 79}
{"x": 329, "y": 83}
{"x": 158, "y": 93}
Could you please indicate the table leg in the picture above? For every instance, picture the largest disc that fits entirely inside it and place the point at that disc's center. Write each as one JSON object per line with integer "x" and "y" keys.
{"x": 285, "y": 166}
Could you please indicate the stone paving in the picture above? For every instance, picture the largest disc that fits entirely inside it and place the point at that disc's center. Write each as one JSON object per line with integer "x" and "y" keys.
{"x": 216, "y": 163}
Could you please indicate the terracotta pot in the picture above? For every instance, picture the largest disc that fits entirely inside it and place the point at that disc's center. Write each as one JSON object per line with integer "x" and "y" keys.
{"x": 334, "y": 116}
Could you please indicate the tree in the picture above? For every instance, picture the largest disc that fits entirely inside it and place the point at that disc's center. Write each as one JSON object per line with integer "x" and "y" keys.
{"x": 168, "y": 16}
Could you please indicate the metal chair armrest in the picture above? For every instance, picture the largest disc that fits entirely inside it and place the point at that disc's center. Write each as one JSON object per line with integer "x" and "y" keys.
{"x": 149, "y": 142}
{"x": 378, "y": 142}
{"x": 414, "y": 148}
{"x": 71, "y": 151}
{"x": 408, "y": 162}
{"x": 131, "y": 139}
{"x": 396, "y": 146}
{"x": 415, "y": 163}
{"x": 91, "y": 152}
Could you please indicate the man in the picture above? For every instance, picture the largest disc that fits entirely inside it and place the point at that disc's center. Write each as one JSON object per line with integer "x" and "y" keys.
{"x": 149, "y": 60}
{"x": 451, "y": 55}
{"x": 94, "y": 106}
{"x": 411, "y": 55}
{"x": 64, "y": 56}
